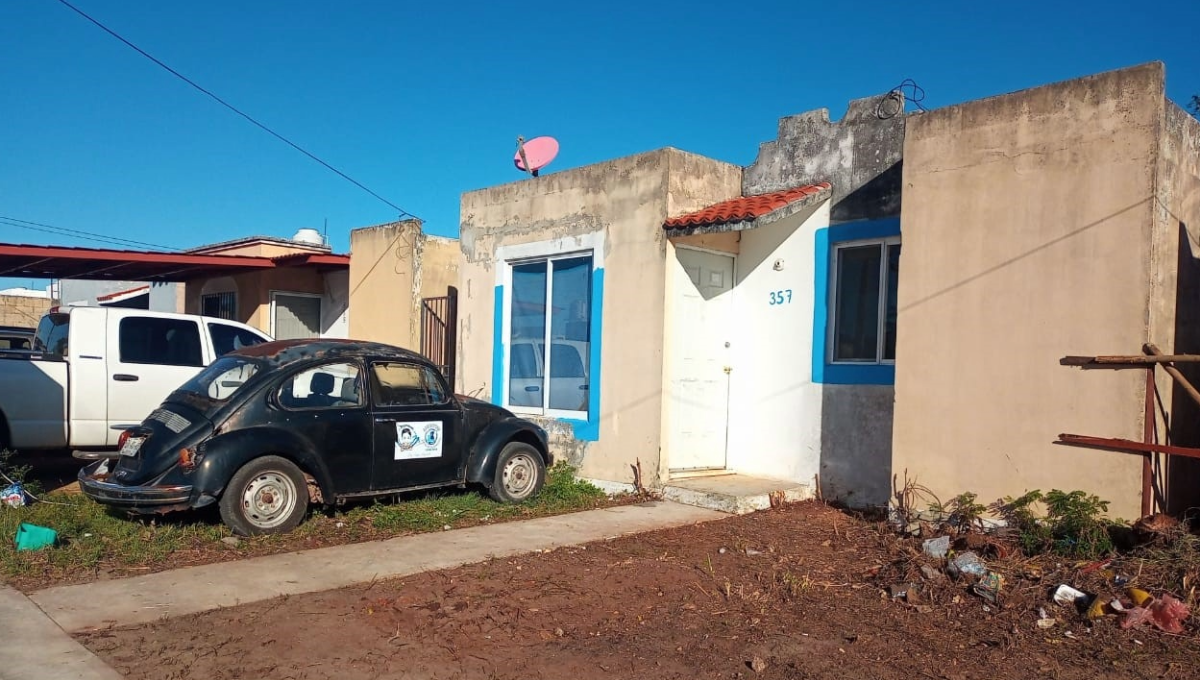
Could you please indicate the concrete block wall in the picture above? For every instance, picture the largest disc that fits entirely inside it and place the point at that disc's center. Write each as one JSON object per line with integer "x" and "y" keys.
{"x": 17, "y": 310}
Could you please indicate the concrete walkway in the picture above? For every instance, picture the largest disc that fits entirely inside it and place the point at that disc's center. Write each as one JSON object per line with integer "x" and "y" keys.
{"x": 32, "y": 647}
{"x": 144, "y": 599}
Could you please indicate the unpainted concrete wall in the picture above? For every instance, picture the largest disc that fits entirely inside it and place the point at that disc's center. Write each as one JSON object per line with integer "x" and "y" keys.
{"x": 392, "y": 267}
{"x": 860, "y": 155}
{"x": 18, "y": 310}
{"x": 626, "y": 200}
{"x": 1026, "y": 237}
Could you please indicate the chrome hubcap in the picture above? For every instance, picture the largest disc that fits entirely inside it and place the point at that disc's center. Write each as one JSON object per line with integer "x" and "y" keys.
{"x": 269, "y": 499}
{"x": 520, "y": 473}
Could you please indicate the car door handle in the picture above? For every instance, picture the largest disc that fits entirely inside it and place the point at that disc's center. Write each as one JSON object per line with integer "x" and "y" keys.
{"x": 125, "y": 377}
{"x": 533, "y": 388}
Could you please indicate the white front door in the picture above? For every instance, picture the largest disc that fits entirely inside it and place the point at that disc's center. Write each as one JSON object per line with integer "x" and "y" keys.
{"x": 701, "y": 333}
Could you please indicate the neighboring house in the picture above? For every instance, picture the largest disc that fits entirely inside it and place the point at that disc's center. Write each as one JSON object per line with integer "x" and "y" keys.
{"x": 288, "y": 288}
{"x": 789, "y": 320}
{"x": 156, "y": 296}
{"x": 306, "y": 297}
{"x": 688, "y": 287}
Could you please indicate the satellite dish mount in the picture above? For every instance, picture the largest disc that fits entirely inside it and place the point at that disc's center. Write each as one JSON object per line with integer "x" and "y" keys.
{"x": 535, "y": 154}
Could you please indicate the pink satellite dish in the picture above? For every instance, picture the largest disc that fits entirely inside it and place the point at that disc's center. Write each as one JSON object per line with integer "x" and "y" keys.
{"x": 535, "y": 154}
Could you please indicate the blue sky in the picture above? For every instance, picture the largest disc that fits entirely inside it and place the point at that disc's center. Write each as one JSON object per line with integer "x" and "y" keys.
{"x": 421, "y": 102}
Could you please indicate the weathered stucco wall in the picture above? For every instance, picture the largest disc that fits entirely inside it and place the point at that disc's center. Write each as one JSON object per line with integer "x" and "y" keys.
{"x": 621, "y": 203}
{"x": 1026, "y": 231}
{"x": 440, "y": 259}
{"x": 392, "y": 267}
{"x": 1175, "y": 315}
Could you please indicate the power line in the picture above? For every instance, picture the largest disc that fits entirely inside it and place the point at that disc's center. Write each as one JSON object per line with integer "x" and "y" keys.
{"x": 233, "y": 108}
{"x": 76, "y": 233}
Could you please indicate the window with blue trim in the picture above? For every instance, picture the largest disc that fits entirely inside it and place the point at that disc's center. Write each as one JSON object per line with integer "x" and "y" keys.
{"x": 862, "y": 325}
{"x": 549, "y": 345}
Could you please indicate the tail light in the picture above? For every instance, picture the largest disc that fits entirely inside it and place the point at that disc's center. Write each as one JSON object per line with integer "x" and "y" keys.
{"x": 187, "y": 458}
{"x": 123, "y": 439}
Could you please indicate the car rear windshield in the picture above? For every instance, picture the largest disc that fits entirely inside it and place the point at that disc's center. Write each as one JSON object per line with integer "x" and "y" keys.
{"x": 51, "y": 334}
{"x": 222, "y": 378}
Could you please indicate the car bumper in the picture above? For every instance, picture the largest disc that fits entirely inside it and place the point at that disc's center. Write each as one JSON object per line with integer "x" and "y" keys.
{"x": 113, "y": 493}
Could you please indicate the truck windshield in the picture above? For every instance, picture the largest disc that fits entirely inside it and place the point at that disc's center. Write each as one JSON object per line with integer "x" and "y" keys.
{"x": 51, "y": 334}
{"x": 222, "y": 378}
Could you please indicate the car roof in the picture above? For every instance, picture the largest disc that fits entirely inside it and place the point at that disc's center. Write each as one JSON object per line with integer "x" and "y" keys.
{"x": 16, "y": 329}
{"x": 286, "y": 352}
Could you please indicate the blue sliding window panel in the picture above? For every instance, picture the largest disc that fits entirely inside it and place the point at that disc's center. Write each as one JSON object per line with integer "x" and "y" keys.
{"x": 823, "y": 370}
{"x": 583, "y": 429}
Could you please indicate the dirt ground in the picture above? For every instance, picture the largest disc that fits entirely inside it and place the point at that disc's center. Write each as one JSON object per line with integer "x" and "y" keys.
{"x": 786, "y": 593}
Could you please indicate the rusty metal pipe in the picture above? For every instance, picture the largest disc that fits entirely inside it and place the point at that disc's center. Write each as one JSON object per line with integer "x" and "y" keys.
{"x": 1174, "y": 373}
{"x": 1148, "y": 428}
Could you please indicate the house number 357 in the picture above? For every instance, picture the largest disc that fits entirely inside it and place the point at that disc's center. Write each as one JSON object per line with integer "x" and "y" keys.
{"x": 781, "y": 297}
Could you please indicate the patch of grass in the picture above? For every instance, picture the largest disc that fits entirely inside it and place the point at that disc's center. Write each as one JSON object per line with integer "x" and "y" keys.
{"x": 93, "y": 538}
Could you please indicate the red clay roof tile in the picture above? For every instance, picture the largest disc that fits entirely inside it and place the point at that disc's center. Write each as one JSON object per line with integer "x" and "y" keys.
{"x": 744, "y": 208}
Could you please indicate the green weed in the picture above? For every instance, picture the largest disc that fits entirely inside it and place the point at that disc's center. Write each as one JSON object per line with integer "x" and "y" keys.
{"x": 92, "y": 537}
{"x": 1073, "y": 524}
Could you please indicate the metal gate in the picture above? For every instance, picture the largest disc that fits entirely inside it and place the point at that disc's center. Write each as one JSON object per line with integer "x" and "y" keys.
{"x": 439, "y": 337}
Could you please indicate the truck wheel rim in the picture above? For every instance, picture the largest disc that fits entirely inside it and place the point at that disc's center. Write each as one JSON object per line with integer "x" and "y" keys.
{"x": 269, "y": 500}
{"x": 520, "y": 474}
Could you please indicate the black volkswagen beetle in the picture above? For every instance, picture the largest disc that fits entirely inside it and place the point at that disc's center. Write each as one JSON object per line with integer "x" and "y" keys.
{"x": 265, "y": 430}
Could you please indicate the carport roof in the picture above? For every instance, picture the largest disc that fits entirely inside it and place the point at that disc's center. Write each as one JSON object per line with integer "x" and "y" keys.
{"x": 741, "y": 212}
{"x": 60, "y": 262}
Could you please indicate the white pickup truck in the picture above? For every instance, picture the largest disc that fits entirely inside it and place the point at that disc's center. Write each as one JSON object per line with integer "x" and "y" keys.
{"x": 95, "y": 371}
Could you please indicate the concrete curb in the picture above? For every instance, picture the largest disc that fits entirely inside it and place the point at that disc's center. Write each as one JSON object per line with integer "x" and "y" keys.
{"x": 33, "y": 647}
{"x": 144, "y": 599}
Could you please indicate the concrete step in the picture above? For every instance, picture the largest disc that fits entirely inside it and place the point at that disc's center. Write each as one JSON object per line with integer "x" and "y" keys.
{"x": 735, "y": 494}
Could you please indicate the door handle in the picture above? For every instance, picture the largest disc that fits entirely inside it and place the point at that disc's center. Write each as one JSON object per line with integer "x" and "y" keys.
{"x": 125, "y": 377}
{"x": 533, "y": 388}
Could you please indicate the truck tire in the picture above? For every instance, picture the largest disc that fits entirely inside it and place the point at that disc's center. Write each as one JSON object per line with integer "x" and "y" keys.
{"x": 520, "y": 473}
{"x": 268, "y": 495}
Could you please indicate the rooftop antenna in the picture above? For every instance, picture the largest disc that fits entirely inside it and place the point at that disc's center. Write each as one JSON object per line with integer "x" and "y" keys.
{"x": 535, "y": 154}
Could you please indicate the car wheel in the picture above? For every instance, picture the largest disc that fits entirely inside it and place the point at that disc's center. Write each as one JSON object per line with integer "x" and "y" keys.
{"x": 520, "y": 473}
{"x": 268, "y": 495}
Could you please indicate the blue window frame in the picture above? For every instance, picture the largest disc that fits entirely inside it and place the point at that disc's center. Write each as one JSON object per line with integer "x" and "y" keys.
{"x": 546, "y": 357}
{"x": 854, "y": 327}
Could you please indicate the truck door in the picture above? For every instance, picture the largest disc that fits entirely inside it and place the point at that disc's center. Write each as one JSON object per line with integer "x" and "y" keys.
{"x": 148, "y": 358}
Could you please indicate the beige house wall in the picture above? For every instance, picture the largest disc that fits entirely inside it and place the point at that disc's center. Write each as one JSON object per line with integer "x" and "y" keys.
{"x": 1026, "y": 237}
{"x": 1175, "y": 315}
{"x": 623, "y": 203}
{"x": 18, "y": 310}
{"x": 392, "y": 267}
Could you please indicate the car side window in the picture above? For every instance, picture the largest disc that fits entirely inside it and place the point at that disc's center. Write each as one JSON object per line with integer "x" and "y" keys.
{"x": 226, "y": 338}
{"x": 328, "y": 386}
{"x": 163, "y": 342}
{"x": 400, "y": 384}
